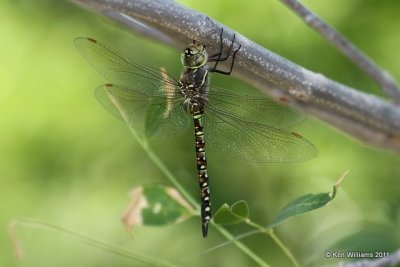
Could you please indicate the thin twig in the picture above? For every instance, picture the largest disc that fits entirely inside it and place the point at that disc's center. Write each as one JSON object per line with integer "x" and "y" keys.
{"x": 362, "y": 115}
{"x": 382, "y": 77}
{"x": 121, "y": 251}
{"x": 391, "y": 260}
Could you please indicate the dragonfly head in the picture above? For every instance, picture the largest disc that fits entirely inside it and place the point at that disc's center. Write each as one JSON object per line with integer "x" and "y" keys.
{"x": 194, "y": 56}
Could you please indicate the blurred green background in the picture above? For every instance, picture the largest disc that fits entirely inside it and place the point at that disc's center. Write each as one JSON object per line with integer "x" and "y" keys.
{"x": 66, "y": 161}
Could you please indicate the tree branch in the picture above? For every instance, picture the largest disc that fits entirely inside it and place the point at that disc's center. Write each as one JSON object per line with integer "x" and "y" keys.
{"x": 382, "y": 77}
{"x": 362, "y": 115}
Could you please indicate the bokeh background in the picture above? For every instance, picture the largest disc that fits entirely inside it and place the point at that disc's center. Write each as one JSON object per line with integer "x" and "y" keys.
{"x": 66, "y": 161}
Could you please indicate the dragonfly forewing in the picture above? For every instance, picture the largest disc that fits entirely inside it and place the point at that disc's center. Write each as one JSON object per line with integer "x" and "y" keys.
{"x": 116, "y": 68}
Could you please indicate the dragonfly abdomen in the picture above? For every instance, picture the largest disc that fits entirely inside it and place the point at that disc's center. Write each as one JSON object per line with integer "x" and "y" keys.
{"x": 202, "y": 171}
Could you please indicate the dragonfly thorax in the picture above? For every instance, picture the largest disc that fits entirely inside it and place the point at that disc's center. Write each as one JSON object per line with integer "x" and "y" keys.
{"x": 194, "y": 100}
{"x": 193, "y": 83}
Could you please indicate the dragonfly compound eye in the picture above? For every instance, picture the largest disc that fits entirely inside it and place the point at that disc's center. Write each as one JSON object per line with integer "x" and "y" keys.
{"x": 194, "y": 56}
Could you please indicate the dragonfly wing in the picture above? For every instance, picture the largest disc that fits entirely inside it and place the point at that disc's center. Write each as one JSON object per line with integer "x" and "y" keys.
{"x": 255, "y": 108}
{"x": 115, "y": 67}
{"x": 142, "y": 96}
{"x": 152, "y": 114}
{"x": 253, "y": 141}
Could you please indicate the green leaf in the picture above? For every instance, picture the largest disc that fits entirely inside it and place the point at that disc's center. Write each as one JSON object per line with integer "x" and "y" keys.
{"x": 237, "y": 213}
{"x": 156, "y": 205}
{"x": 301, "y": 205}
{"x": 305, "y": 204}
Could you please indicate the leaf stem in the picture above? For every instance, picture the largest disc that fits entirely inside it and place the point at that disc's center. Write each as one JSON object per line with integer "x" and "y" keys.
{"x": 241, "y": 246}
{"x": 270, "y": 232}
{"x": 284, "y": 248}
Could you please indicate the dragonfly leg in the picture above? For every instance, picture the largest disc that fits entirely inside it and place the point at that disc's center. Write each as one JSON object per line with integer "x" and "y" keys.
{"x": 231, "y": 67}
{"x": 218, "y": 57}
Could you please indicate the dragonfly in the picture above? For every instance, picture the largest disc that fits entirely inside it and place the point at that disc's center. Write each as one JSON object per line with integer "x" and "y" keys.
{"x": 155, "y": 104}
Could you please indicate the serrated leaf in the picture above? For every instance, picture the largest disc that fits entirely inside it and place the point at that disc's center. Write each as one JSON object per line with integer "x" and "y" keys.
{"x": 305, "y": 204}
{"x": 155, "y": 205}
{"x": 237, "y": 213}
